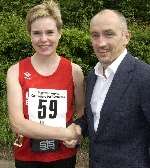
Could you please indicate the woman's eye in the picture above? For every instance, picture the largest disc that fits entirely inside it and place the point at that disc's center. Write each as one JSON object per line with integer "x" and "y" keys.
{"x": 49, "y": 32}
{"x": 36, "y": 33}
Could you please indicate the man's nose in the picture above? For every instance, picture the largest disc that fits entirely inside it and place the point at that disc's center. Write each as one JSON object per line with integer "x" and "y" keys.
{"x": 101, "y": 41}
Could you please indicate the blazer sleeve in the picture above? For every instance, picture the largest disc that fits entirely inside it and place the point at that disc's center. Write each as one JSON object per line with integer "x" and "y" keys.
{"x": 145, "y": 92}
{"x": 82, "y": 122}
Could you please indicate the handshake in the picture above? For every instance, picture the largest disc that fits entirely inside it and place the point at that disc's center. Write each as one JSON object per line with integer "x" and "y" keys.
{"x": 73, "y": 134}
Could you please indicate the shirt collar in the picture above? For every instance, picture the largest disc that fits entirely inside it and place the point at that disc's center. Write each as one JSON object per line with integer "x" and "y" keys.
{"x": 112, "y": 68}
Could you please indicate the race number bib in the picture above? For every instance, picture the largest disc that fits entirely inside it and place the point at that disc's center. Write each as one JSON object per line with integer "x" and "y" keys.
{"x": 47, "y": 107}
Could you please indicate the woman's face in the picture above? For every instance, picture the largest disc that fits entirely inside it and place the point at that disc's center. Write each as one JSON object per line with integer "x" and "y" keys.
{"x": 45, "y": 36}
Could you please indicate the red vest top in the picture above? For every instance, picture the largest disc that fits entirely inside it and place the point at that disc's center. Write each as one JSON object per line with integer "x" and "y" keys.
{"x": 61, "y": 79}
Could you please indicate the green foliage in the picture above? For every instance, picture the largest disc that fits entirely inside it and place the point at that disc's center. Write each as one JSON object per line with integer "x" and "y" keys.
{"x": 20, "y": 7}
{"x": 5, "y": 131}
{"x": 2, "y": 80}
{"x": 135, "y": 10}
{"x": 139, "y": 45}
{"x": 6, "y": 136}
{"x": 14, "y": 39}
{"x": 74, "y": 44}
{"x": 78, "y": 13}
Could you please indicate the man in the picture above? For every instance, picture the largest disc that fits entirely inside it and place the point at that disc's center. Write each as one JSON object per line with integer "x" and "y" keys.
{"x": 117, "y": 98}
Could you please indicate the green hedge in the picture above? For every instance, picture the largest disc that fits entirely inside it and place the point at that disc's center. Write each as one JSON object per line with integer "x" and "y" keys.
{"x": 140, "y": 42}
{"x": 5, "y": 131}
{"x": 14, "y": 40}
{"x": 75, "y": 44}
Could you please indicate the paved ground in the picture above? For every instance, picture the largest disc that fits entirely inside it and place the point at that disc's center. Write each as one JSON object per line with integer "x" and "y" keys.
{"x": 6, "y": 164}
{"x": 10, "y": 164}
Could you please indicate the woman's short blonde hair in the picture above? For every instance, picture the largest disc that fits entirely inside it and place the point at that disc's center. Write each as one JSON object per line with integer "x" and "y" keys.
{"x": 48, "y": 8}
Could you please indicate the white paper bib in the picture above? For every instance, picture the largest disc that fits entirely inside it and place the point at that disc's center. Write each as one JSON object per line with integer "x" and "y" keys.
{"x": 48, "y": 106}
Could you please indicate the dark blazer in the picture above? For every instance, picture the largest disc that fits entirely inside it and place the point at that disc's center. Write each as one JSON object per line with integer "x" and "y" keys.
{"x": 122, "y": 136}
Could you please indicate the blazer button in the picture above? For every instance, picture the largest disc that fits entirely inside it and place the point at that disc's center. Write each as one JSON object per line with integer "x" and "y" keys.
{"x": 96, "y": 159}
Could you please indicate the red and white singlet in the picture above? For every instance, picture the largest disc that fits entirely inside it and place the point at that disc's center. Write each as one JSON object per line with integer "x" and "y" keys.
{"x": 48, "y": 100}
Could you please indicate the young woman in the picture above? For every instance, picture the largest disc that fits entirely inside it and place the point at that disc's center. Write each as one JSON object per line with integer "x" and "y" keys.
{"x": 44, "y": 91}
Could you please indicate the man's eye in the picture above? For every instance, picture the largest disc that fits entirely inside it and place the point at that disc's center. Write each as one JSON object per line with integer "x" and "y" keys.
{"x": 109, "y": 34}
{"x": 95, "y": 35}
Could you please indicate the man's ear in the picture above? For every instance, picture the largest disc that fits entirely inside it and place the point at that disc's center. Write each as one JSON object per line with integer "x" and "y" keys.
{"x": 127, "y": 37}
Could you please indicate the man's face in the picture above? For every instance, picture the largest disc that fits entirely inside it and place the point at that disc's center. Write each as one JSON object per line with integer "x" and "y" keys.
{"x": 108, "y": 37}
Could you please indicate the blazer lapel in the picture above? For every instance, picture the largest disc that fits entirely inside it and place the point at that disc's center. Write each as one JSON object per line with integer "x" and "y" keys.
{"x": 90, "y": 86}
{"x": 89, "y": 90}
{"x": 117, "y": 88}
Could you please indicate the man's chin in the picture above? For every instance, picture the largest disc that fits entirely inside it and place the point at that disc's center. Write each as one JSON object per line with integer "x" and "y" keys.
{"x": 105, "y": 62}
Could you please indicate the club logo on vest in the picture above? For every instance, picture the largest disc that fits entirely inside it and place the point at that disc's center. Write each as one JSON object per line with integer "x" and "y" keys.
{"x": 27, "y": 75}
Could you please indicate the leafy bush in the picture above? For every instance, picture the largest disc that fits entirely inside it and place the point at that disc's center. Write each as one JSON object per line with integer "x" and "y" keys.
{"x": 139, "y": 45}
{"x": 78, "y": 13}
{"x": 15, "y": 44}
{"x": 5, "y": 131}
{"x": 74, "y": 44}
{"x": 138, "y": 11}
{"x": 14, "y": 40}
{"x": 18, "y": 6}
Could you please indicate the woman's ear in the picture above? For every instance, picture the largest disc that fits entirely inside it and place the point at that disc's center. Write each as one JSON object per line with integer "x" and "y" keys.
{"x": 60, "y": 33}
{"x": 59, "y": 36}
